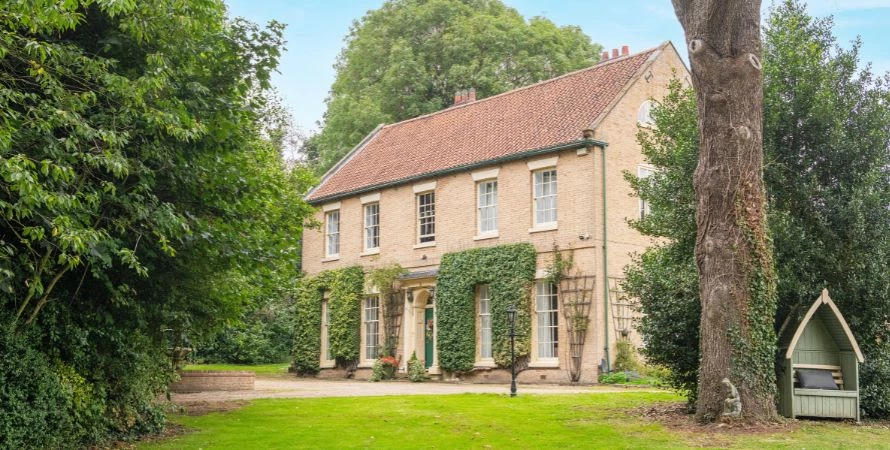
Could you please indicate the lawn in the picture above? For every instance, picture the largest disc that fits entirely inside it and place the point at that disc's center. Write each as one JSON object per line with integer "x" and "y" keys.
{"x": 483, "y": 421}
{"x": 260, "y": 369}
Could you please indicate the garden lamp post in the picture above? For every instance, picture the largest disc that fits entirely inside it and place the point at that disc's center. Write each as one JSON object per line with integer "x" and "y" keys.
{"x": 511, "y": 315}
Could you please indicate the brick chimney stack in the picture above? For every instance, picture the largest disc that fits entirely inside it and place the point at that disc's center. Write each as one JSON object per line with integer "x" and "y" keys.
{"x": 605, "y": 55}
{"x": 614, "y": 52}
{"x": 625, "y": 50}
{"x": 464, "y": 96}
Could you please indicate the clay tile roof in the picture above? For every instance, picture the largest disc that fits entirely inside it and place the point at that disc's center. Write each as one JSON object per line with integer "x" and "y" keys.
{"x": 542, "y": 115}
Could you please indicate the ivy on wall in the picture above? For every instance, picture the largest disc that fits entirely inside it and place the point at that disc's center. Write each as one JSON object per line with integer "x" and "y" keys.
{"x": 509, "y": 270}
{"x": 345, "y": 287}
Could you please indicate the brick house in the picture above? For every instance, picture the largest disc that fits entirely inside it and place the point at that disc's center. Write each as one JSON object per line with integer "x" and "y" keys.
{"x": 542, "y": 164}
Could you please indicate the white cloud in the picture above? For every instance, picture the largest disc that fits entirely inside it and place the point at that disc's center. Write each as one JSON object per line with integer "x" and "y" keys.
{"x": 822, "y": 7}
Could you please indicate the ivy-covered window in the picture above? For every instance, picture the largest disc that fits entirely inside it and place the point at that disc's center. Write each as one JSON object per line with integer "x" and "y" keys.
{"x": 545, "y": 196}
{"x": 547, "y": 312}
{"x": 426, "y": 216}
{"x": 372, "y": 226}
{"x": 484, "y": 322}
{"x": 488, "y": 206}
{"x": 325, "y": 332}
{"x": 332, "y": 233}
{"x": 372, "y": 327}
{"x": 644, "y": 172}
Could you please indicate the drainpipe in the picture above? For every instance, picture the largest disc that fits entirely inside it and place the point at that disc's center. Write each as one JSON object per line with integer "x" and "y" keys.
{"x": 588, "y": 134}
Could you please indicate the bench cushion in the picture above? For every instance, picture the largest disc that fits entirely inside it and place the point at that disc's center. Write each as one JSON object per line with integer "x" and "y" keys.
{"x": 816, "y": 379}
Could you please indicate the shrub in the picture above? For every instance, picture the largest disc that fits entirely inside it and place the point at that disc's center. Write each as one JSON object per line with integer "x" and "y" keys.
{"x": 416, "y": 371}
{"x": 32, "y": 398}
{"x": 614, "y": 378}
{"x": 625, "y": 356}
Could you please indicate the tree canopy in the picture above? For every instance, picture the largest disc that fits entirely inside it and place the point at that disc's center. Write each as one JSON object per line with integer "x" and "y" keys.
{"x": 143, "y": 198}
{"x": 409, "y": 57}
{"x": 826, "y": 135}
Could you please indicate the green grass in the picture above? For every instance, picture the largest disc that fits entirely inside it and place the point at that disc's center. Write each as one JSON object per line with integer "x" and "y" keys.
{"x": 260, "y": 369}
{"x": 483, "y": 421}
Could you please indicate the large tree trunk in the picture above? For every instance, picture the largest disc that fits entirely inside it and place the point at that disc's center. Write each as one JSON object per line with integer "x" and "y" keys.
{"x": 733, "y": 253}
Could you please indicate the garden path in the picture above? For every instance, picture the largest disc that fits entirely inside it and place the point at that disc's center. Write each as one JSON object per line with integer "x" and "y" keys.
{"x": 287, "y": 387}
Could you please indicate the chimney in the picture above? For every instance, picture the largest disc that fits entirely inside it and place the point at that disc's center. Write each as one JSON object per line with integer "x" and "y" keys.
{"x": 464, "y": 96}
{"x": 625, "y": 50}
{"x": 614, "y": 52}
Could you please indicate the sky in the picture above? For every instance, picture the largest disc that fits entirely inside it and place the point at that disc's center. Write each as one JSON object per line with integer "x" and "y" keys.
{"x": 316, "y": 29}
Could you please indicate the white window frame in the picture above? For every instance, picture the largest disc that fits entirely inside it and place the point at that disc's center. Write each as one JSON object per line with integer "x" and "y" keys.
{"x": 332, "y": 233}
{"x": 644, "y": 114}
{"x": 426, "y": 218}
{"x": 370, "y": 328}
{"x": 371, "y": 233}
{"x": 540, "y": 198}
{"x": 546, "y": 343}
{"x": 644, "y": 171}
{"x": 484, "y": 351}
{"x": 487, "y": 207}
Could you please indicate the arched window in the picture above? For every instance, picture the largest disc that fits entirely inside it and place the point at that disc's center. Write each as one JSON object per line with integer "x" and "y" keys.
{"x": 644, "y": 114}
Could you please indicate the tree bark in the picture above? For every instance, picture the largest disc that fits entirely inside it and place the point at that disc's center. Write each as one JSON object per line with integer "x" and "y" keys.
{"x": 733, "y": 250}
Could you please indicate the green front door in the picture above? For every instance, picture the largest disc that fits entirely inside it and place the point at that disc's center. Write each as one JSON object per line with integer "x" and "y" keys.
{"x": 428, "y": 326}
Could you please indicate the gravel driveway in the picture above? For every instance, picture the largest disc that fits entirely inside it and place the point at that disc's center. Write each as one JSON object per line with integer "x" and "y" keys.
{"x": 281, "y": 387}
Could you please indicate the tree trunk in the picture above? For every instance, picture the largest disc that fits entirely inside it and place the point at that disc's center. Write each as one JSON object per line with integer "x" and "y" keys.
{"x": 733, "y": 250}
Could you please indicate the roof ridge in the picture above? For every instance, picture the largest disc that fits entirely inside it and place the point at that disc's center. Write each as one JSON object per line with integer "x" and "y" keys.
{"x": 523, "y": 88}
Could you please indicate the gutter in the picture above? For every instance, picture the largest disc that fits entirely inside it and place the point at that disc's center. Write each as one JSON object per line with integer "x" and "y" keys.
{"x": 607, "y": 361}
{"x": 573, "y": 145}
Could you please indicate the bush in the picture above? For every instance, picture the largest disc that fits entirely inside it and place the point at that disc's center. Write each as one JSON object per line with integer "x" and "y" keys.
{"x": 416, "y": 371}
{"x": 32, "y": 399}
{"x": 625, "y": 356}
{"x": 614, "y": 378}
{"x": 265, "y": 336}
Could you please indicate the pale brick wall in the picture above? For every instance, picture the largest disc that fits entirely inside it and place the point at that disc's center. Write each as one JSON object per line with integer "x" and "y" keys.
{"x": 579, "y": 213}
{"x": 214, "y": 380}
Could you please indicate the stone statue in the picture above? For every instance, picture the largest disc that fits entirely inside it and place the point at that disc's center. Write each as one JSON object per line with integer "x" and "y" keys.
{"x": 732, "y": 405}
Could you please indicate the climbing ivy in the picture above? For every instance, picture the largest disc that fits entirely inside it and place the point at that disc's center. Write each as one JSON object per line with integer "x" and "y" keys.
{"x": 509, "y": 271}
{"x": 345, "y": 287}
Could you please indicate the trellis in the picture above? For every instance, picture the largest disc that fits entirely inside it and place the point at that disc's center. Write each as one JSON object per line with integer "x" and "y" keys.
{"x": 576, "y": 295}
{"x": 392, "y": 322}
{"x": 623, "y": 307}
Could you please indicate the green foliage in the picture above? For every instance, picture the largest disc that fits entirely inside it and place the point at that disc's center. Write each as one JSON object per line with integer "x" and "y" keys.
{"x": 826, "y": 130}
{"x": 508, "y": 270}
{"x": 664, "y": 278}
{"x": 143, "y": 197}
{"x": 383, "y": 278}
{"x": 31, "y": 399}
{"x": 345, "y": 288}
{"x": 264, "y": 335}
{"x": 416, "y": 371}
{"x": 408, "y": 58}
{"x": 625, "y": 356}
{"x": 614, "y": 378}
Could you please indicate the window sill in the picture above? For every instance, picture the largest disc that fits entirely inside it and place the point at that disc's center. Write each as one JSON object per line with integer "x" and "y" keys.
{"x": 485, "y": 364}
{"x": 330, "y": 258}
{"x": 543, "y": 227}
{"x": 425, "y": 245}
{"x": 373, "y": 251}
{"x": 328, "y": 364}
{"x": 544, "y": 364}
{"x": 486, "y": 235}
